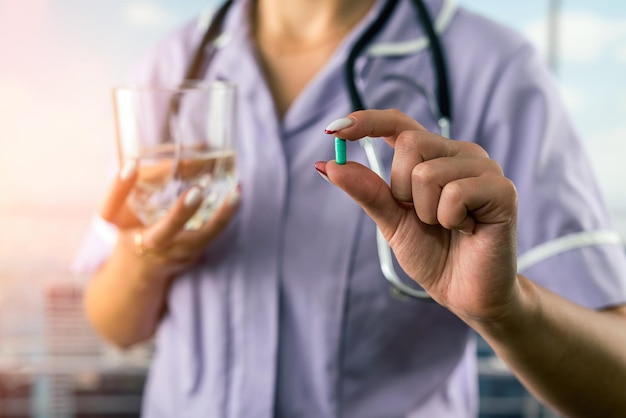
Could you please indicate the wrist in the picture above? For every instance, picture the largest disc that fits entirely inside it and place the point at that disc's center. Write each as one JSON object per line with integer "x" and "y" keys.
{"x": 140, "y": 272}
{"x": 513, "y": 317}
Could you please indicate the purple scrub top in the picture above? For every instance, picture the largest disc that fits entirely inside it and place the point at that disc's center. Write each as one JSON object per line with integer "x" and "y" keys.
{"x": 288, "y": 313}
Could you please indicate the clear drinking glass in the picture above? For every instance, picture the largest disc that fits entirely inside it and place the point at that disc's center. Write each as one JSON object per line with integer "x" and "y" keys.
{"x": 179, "y": 136}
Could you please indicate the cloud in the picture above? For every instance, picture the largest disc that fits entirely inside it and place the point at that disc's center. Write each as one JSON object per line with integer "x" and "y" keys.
{"x": 621, "y": 106}
{"x": 620, "y": 54}
{"x": 583, "y": 36}
{"x": 148, "y": 15}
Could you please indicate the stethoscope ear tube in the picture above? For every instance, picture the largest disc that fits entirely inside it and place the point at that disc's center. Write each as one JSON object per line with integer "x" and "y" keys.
{"x": 384, "y": 250}
{"x": 439, "y": 61}
{"x": 444, "y": 99}
{"x": 349, "y": 78}
{"x": 399, "y": 288}
{"x": 202, "y": 57}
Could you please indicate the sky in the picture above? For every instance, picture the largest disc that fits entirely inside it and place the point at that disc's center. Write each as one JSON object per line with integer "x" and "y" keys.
{"x": 60, "y": 59}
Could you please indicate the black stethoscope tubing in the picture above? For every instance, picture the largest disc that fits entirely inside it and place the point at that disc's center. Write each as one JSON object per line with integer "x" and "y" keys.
{"x": 438, "y": 58}
{"x": 201, "y": 58}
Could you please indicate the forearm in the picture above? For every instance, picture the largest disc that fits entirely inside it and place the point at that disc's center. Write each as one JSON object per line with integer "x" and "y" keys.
{"x": 125, "y": 301}
{"x": 572, "y": 358}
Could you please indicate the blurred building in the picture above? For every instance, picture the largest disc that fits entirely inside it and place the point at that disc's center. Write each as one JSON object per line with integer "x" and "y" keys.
{"x": 501, "y": 394}
{"x": 53, "y": 365}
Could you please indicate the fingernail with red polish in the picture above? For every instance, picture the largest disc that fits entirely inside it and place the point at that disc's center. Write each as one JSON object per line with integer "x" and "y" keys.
{"x": 320, "y": 170}
{"x": 339, "y": 124}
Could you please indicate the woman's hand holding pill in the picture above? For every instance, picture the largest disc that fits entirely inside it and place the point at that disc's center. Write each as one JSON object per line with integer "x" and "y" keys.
{"x": 449, "y": 214}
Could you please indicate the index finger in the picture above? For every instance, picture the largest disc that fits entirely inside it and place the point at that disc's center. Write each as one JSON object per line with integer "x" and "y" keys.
{"x": 376, "y": 123}
{"x": 411, "y": 141}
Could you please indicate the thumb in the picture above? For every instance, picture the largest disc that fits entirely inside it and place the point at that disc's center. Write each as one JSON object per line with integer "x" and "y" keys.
{"x": 367, "y": 189}
{"x": 114, "y": 202}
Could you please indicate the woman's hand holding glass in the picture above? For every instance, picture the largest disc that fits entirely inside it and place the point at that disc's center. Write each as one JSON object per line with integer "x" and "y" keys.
{"x": 449, "y": 214}
{"x": 178, "y": 180}
{"x": 167, "y": 246}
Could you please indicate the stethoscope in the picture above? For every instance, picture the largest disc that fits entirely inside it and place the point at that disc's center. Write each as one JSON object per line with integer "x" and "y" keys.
{"x": 442, "y": 107}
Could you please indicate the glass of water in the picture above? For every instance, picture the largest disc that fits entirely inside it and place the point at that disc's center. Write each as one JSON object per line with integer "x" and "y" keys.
{"x": 179, "y": 136}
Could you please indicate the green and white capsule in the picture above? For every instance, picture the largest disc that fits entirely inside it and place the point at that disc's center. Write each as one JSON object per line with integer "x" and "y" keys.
{"x": 340, "y": 151}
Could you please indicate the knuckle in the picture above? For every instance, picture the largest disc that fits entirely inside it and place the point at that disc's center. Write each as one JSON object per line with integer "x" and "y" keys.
{"x": 427, "y": 213}
{"x": 423, "y": 176}
{"x": 395, "y": 112}
{"x": 453, "y": 193}
{"x": 475, "y": 150}
{"x": 494, "y": 168}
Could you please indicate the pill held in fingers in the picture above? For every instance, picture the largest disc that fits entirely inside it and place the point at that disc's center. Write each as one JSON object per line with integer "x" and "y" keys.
{"x": 340, "y": 151}
{"x": 340, "y": 144}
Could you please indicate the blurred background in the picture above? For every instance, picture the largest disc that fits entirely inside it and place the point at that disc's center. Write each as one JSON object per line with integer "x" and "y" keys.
{"x": 58, "y": 62}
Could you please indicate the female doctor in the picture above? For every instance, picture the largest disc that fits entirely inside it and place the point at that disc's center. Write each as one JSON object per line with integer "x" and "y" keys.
{"x": 278, "y": 307}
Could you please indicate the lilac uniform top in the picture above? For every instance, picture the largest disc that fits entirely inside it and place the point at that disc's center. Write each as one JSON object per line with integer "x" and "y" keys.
{"x": 288, "y": 313}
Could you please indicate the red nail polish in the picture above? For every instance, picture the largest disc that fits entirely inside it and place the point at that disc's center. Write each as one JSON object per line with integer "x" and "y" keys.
{"x": 320, "y": 168}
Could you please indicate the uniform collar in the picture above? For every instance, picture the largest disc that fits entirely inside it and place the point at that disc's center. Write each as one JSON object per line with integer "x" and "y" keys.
{"x": 443, "y": 12}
